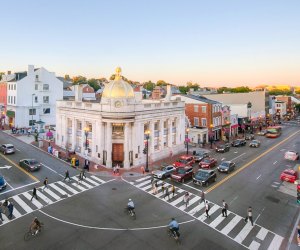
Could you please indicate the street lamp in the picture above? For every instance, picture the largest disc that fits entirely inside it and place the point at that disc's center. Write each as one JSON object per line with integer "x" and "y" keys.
{"x": 187, "y": 141}
{"x": 211, "y": 135}
{"x": 147, "y": 149}
{"x": 86, "y": 133}
{"x": 32, "y": 110}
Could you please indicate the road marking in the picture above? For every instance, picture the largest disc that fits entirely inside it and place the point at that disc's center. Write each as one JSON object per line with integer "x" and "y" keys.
{"x": 218, "y": 220}
{"x": 22, "y": 204}
{"x": 23, "y": 170}
{"x": 274, "y": 186}
{"x": 55, "y": 196}
{"x": 58, "y": 189}
{"x": 259, "y": 215}
{"x": 79, "y": 187}
{"x": 223, "y": 159}
{"x": 18, "y": 149}
{"x": 249, "y": 163}
{"x": 233, "y": 200}
{"x": 276, "y": 242}
{"x": 9, "y": 185}
{"x": 190, "y": 187}
{"x": 174, "y": 203}
{"x": 34, "y": 201}
{"x": 238, "y": 156}
{"x": 5, "y": 167}
{"x": 45, "y": 198}
{"x": 258, "y": 177}
{"x": 274, "y": 162}
{"x": 51, "y": 169}
{"x": 235, "y": 152}
{"x": 282, "y": 149}
{"x": 243, "y": 233}
{"x": 235, "y": 220}
{"x": 98, "y": 179}
{"x": 254, "y": 245}
{"x": 262, "y": 233}
{"x": 189, "y": 182}
{"x": 142, "y": 179}
{"x": 19, "y": 187}
{"x": 197, "y": 209}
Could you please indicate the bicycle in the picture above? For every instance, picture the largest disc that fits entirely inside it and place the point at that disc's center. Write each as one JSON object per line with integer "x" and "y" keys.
{"x": 130, "y": 212}
{"x": 174, "y": 235}
{"x": 29, "y": 235}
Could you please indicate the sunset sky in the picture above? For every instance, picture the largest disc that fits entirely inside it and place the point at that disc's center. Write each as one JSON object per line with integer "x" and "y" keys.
{"x": 213, "y": 43}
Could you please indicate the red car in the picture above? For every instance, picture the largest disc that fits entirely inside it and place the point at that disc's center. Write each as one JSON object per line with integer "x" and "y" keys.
{"x": 182, "y": 174}
{"x": 289, "y": 175}
{"x": 208, "y": 163}
{"x": 183, "y": 161}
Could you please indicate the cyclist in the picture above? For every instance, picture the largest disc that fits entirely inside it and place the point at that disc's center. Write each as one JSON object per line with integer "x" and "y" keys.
{"x": 35, "y": 226}
{"x": 130, "y": 205}
{"x": 174, "y": 228}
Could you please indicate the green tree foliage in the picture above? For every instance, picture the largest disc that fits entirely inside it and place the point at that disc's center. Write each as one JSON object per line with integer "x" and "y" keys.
{"x": 223, "y": 90}
{"x": 67, "y": 78}
{"x": 93, "y": 83}
{"x": 77, "y": 80}
{"x": 297, "y": 106}
{"x": 280, "y": 92}
{"x": 297, "y": 92}
{"x": 183, "y": 89}
{"x": 1, "y": 74}
{"x": 149, "y": 85}
{"x": 161, "y": 83}
{"x": 242, "y": 89}
{"x": 192, "y": 85}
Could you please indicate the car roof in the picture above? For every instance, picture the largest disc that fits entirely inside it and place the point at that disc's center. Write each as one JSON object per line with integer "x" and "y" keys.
{"x": 205, "y": 170}
{"x": 184, "y": 157}
{"x": 226, "y": 162}
{"x": 291, "y": 151}
{"x": 292, "y": 171}
{"x": 8, "y": 145}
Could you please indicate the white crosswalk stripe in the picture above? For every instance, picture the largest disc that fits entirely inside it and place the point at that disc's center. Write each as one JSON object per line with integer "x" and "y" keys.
{"x": 225, "y": 225}
{"x": 48, "y": 196}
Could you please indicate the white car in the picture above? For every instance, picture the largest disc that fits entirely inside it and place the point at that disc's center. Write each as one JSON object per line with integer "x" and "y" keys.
{"x": 165, "y": 172}
{"x": 291, "y": 155}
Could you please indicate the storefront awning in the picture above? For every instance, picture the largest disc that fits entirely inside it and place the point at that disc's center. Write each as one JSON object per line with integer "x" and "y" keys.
{"x": 10, "y": 113}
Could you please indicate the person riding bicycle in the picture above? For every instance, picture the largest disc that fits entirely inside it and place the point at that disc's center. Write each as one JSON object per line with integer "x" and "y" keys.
{"x": 174, "y": 227}
{"x": 35, "y": 226}
{"x": 130, "y": 205}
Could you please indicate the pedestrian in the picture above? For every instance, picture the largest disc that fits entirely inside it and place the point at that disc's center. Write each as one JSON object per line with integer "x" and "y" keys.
{"x": 114, "y": 170}
{"x": 118, "y": 169}
{"x": 45, "y": 184}
{"x": 224, "y": 208}
{"x": 202, "y": 196}
{"x": 4, "y": 206}
{"x": 83, "y": 173}
{"x": 10, "y": 210}
{"x": 155, "y": 188}
{"x": 298, "y": 235}
{"x": 167, "y": 193}
{"x": 249, "y": 216}
{"x": 143, "y": 169}
{"x": 186, "y": 199}
{"x": 1, "y": 211}
{"x": 163, "y": 187}
{"x": 67, "y": 175}
{"x": 173, "y": 190}
{"x": 34, "y": 195}
{"x": 87, "y": 165}
{"x": 207, "y": 208}
{"x": 79, "y": 178}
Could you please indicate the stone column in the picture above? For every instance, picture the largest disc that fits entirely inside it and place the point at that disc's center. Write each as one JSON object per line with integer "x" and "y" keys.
{"x": 64, "y": 132}
{"x": 108, "y": 143}
{"x": 151, "y": 140}
{"x": 161, "y": 135}
{"x": 99, "y": 132}
{"x": 83, "y": 125}
{"x": 126, "y": 146}
{"x": 94, "y": 154}
{"x": 74, "y": 127}
{"x": 169, "y": 133}
{"x": 177, "y": 126}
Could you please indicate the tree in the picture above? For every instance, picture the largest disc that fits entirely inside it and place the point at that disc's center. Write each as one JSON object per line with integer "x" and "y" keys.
{"x": 297, "y": 106}
{"x": 223, "y": 90}
{"x": 161, "y": 83}
{"x": 242, "y": 89}
{"x": 1, "y": 74}
{"x": 297, "y": 92}
{"x": 183, "y": 89}
{"x": 149, "y": 85}
{"x": 192, "y": 85}
{"x": 280, "y": 92}
{"x": 93, "y": 83}
{"x": 67, "y": 78}
{"x": 77, "y": 80}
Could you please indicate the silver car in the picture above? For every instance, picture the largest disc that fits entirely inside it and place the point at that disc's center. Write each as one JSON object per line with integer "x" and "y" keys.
{"x": 7, "y": 149}
{"x": 165, "y": 172}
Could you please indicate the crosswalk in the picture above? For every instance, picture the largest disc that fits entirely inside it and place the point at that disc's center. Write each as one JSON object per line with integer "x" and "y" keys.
{"x": 233, "y": 226}
{"x": 55, "y": 192}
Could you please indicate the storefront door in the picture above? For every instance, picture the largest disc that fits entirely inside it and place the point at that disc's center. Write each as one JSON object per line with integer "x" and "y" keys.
{"x": 118, "y": 153}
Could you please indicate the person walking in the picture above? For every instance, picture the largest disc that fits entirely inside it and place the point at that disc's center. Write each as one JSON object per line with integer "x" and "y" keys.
{"x": 83, "y": 173}
{"x": 167, "y": 193}
{"x": 87, "y": 165}
{"x": 249, "y": 216}
{"x": 155, "y": 188}
{"x": 224, "y": 208}
{"x": 117, "y": 169}
{"x": 1, "y": 211}
{"x": 79, "y": 177}
{"x": 186, "y": 199}
{"x": 173, "y": 190}
{"x": 114, "y": 170}
{"x": 207, "y": 207}
{"x": 67, "y": 175}
{"x": 202, "y": 196}
{"x": 143, "y": 169}
{"x": 10, "y": 210}
{"x": 4, "y": 206}
{"x": 34, "y": 195}
{"x": 45, "y": 184}
{"x": 163, "y": 187}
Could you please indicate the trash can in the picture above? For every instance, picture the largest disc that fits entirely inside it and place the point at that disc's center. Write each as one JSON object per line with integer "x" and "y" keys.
{"x": 77, "y": 163}
{"x": 73, "y": 161}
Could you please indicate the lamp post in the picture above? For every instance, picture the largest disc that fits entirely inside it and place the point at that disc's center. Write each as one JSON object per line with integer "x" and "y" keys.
{"x": 147, "y": 150}
{"x": 32, "y": 110}
{"x": 211, "y": 135}
{"x": 86, "y": 133}
{"x": 187, "y": 141}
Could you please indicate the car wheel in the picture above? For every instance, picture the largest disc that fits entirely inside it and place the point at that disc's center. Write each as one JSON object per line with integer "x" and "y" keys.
{"x": 163, "y": 177}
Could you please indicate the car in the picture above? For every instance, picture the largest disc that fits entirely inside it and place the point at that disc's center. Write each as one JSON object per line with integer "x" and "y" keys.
{"x": 30, "y": 164}
{"x": 249, "y": 136}
{"x": 226, "y": 167}
{"x": 7, "y": 149}
{"x": 289, "y": 175}
{"x": 291, "y": 155}
{"x": 238, "y": 143}
{"x": 263, "y": 132}
{"x": 164, "y": 172}
{"x": 3, "y": 183}
{"x": 223, "y": 148}
{"x": 182, "y": 174}
{"x": 254, "y": 144}
{"x": 204, "y": 177}
{"x": 200, "y": 155}
{"x": 208, "y": 163}
{"x": 184, "y": 160}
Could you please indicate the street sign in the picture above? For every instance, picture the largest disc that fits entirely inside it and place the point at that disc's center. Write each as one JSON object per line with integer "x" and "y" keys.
{"x": 5, "y": 166}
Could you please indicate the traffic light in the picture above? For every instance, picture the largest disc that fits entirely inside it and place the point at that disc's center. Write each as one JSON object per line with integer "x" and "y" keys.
{"x": 298, "y": 193}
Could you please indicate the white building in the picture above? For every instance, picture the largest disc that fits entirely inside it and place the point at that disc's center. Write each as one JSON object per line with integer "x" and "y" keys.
{"x": 116, "y": 128}
{"x": 280, "y": 108}
{"x": 32, "y": 96}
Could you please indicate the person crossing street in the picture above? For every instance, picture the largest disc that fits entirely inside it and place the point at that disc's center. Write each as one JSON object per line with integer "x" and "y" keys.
{"x": 45, "y": 184}
{"x": 224, "y": 208}
{"x": 67, "y": 175}
{"x": 34, "y": 194}
{"x": 249, "y": 216}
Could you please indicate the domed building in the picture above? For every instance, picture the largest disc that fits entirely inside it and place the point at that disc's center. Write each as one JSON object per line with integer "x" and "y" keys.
{"x": 115, "y": 131}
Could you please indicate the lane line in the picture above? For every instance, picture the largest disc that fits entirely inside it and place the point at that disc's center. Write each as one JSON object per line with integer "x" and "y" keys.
{"x": 259, "y": 215}
{"x": 258, "y": 177}
{"x": 276, "y": 242}
{"x": 52, "y": 170}
{"x": 233, "y": 200}
{"x": 10, "y": 185}
{"x": 18, "y": 149}
{"x": 238, "y": 156}
{"x": 249, "y": 163}
{"x": 274, "y": 162}
{"x": 19, "y": 187}
{"x": 191, "y": 187}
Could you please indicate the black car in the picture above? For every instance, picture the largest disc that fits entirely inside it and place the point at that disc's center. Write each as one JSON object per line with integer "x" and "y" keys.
{"x": 238, "y": 143}
{"x": 204, "y": 177}
{"x": 30, "y": 164}
{"x": 226, "y": 167}
{"x": 200, "y": 155}
{"x": 249, "y": 136}
{"x": 223, "y": 148}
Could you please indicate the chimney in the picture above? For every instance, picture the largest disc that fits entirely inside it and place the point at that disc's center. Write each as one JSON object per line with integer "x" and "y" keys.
{"x": 169, "y": 94}
{"x": 9, "y": 72}
{"x": 78, "y": 93}
{"x": 30, "y": 70}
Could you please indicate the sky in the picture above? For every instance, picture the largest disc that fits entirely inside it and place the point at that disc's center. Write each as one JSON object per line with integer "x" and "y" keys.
{"x": 212, "y": 43}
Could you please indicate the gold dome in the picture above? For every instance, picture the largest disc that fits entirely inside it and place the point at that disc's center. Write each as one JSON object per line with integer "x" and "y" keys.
{"x": 118, "y": 88}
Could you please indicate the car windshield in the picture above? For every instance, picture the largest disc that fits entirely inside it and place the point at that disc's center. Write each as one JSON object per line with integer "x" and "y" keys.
{"x": 182, "y": 161}
{"x": 288, "y": 173}
{"x": 221, "y": 146}
{"x": 10, "y": 147}
{"x": 199, "y": 154}
{"x": 32, "y": 162}
{"x": 202, "y": 174}
{"x": 224, "y": 164}
{"x": 206, "y": 160}
{"x": 181, "y": 171}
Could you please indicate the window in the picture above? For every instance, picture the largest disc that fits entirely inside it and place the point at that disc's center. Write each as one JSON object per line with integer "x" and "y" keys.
{"x": 14, "y": 100}
{"x": 15, "y": 86}
{"x": 196, "y": 121}
{"x": 203, "y": 121}
{"x": 32, "y": 111}
{"x": 156, "y": 126}
{"x": 36, "y": 99}
{"x": 45, "y": 86}
{"x": 31, "y": 122}
{"x": 46, "y": 111}
{"x": 36, "y": 86}
{"x": 8, "y": 86}
{"x": 45, "y": 99}
{"x": 195, "y": 108}
{"x": 203, "y": 109}
{"x": 36, "y": 77}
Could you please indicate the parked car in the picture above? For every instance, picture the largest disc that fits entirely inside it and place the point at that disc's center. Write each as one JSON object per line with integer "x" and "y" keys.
{"x": 263, "y": 132}
{"x": 238, "y": 143}
{"x": 2, "y": 183}
{"x": 249, "y": 136}
{"x": 289, "y": 175}
{"x": 184, "y": 160}
{"x": 182, "y": 174}
{"x": 223, "y": 148}
{"x": 208, "y": 163}
{"x": 204, "y": 177}
{"x": 7, "y": 149}
{"x": 164, "y": 172}
{"x": 291, "y": 155}
{"x": 200, "y": 155}
{"x": 30, "y": 164}
{"x": 226, "y": 167}
{"x": 254, "y": 144}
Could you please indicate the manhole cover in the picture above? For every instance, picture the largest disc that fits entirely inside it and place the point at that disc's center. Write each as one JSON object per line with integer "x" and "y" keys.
{"x": 113, "y": 189}
{"x": 273, "y": 199}
{"x": 130, "y": 174}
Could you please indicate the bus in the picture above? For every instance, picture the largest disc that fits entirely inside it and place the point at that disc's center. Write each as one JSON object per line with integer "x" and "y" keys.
{"x": 273, "y": 132}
